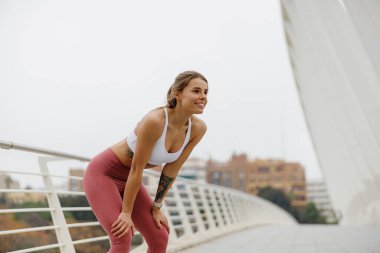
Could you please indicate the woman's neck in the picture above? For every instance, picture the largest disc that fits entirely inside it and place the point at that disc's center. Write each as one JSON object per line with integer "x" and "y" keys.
{"x": 177, "y": 117}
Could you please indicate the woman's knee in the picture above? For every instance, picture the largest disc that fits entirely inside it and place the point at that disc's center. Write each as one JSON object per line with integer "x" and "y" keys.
{"x": 120, "y": 245}
{"x": 159, "y": 241}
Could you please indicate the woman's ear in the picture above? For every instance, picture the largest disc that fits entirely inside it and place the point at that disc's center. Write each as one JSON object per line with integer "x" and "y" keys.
{"x": 177, "y": 95}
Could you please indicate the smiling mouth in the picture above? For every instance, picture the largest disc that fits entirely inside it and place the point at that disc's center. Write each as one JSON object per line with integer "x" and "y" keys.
{"x": 202, "y": 105}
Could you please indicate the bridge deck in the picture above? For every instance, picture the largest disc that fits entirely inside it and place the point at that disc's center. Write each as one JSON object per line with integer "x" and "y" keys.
{"x": 296, "y": 239}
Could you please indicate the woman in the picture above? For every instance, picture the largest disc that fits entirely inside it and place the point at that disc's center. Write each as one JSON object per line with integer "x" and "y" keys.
{"x": 166, "y": 135}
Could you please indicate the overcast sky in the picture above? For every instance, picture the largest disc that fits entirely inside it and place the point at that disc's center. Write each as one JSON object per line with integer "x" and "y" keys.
{"x": 76, "y": 76}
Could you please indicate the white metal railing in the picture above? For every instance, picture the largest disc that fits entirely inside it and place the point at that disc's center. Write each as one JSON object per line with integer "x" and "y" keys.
{"x": 196, "y": 211}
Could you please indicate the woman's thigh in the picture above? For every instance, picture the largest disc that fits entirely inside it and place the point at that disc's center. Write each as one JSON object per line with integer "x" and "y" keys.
{"x": 142, "y": 218}
{"x": 105, "y": 200}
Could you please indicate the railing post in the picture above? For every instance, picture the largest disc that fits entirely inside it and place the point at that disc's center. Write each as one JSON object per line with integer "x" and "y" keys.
{"x": 223, "y": 206}
{"x": 207, "y": 208}
{"x": 228, "y": 202}
{"x": 196, "y": 208}
{"x": 233, "y": 208}
{"x": 182, "y": 210}
{"x": 62, "y": 232}
{"x": 217, "y": 212}
{"x": 238, "y": 209}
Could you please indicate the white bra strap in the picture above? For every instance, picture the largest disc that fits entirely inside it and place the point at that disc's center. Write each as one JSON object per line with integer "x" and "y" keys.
{"x": 188, "y": 130}
{"x": 166, "y": 118}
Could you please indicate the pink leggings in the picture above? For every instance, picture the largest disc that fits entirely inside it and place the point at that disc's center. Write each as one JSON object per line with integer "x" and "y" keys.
{"x": 104, "y": 182}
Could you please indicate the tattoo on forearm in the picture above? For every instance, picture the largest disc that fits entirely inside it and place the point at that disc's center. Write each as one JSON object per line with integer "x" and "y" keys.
{"x": 130, "y": 153}
{"x": 163, "y": 186}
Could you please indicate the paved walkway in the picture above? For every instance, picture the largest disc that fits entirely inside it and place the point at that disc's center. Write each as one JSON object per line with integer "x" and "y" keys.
{"x": 296, "y": 239}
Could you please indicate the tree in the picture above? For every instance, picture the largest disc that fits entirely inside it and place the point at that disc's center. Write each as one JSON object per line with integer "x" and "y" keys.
{"x": 312, "y": 215}
{"x": 2, "y": 199}
{"x": 8, "y": 182}
{"x": 77, "y": 201}
{"x": 276, "y": 196}
{"x": 20, "y": 241}
{"x": 309, "y": 214}
{"x": 34, "y": 219}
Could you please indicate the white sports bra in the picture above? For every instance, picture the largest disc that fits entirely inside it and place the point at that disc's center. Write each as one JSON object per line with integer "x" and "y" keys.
{"x": 159, "y": 153}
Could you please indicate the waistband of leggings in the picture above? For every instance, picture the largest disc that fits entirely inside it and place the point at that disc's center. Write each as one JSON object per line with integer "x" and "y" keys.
{"x": 116, "y": 159}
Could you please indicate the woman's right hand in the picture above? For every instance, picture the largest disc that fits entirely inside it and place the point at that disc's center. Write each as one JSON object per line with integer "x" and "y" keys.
{"x": 122, "y": 225}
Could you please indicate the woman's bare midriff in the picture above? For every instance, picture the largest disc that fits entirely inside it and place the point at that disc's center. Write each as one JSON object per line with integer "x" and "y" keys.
{"x": 122, "y": 151}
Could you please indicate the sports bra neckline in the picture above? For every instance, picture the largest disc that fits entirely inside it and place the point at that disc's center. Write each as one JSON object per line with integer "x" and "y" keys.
{"x": 163, "y": 136}
{"x": 159, "y": 153}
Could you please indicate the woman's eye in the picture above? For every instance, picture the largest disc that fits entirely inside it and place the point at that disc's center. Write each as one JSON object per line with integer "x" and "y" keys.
{"x": 199, "y": 91}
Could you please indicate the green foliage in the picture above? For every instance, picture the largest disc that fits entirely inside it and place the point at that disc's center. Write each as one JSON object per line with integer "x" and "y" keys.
{"x": 309, "y": 214}
{"x": 312, "y": 215}
{"x": 137, "y": 240}
{"x": 2, "y": 199}
{"x": 31, "y": 205}
{"x": 34, "y": 219}
{"x": 37, "y": 219}
{"x": 276, "y": 196}
{"x": 77, "y": 201}
{"x": 44, "y": 218}
{"x": 68, "y": 215}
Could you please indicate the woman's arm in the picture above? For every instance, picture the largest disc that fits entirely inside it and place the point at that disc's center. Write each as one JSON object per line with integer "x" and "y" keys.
{"x": 170, "y": 170}
{"x": 148, "y": 133}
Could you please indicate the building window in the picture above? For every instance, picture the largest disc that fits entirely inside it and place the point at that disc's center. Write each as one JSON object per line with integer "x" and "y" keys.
{"x": 263, "y": 169}
{"x": 299, "y": 197}
{"x": 298, "y": 188}
{"x": 227, "y": 179}
{"x": 216, "y": 177}
{"x": 241, "y": 181}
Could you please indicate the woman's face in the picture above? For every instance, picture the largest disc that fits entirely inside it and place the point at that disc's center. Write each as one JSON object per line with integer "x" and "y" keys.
{"x": 193, "y": 97}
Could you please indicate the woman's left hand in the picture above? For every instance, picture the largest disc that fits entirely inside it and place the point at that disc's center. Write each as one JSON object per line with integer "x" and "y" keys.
{"x": 160, "y": 219}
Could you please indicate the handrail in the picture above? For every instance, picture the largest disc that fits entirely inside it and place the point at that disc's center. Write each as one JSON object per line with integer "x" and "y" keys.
{"x": 27, "y": 210}
{"x": 38, "y": 249}
{"x": 12, "y": 145}
{"x": 22, "y": 230}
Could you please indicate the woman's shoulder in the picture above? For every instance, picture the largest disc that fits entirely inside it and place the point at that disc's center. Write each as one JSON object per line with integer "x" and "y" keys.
{"x": 198, "y": 126}
{"x": 154, "y": 119}
{"x": 155, "y": 115}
